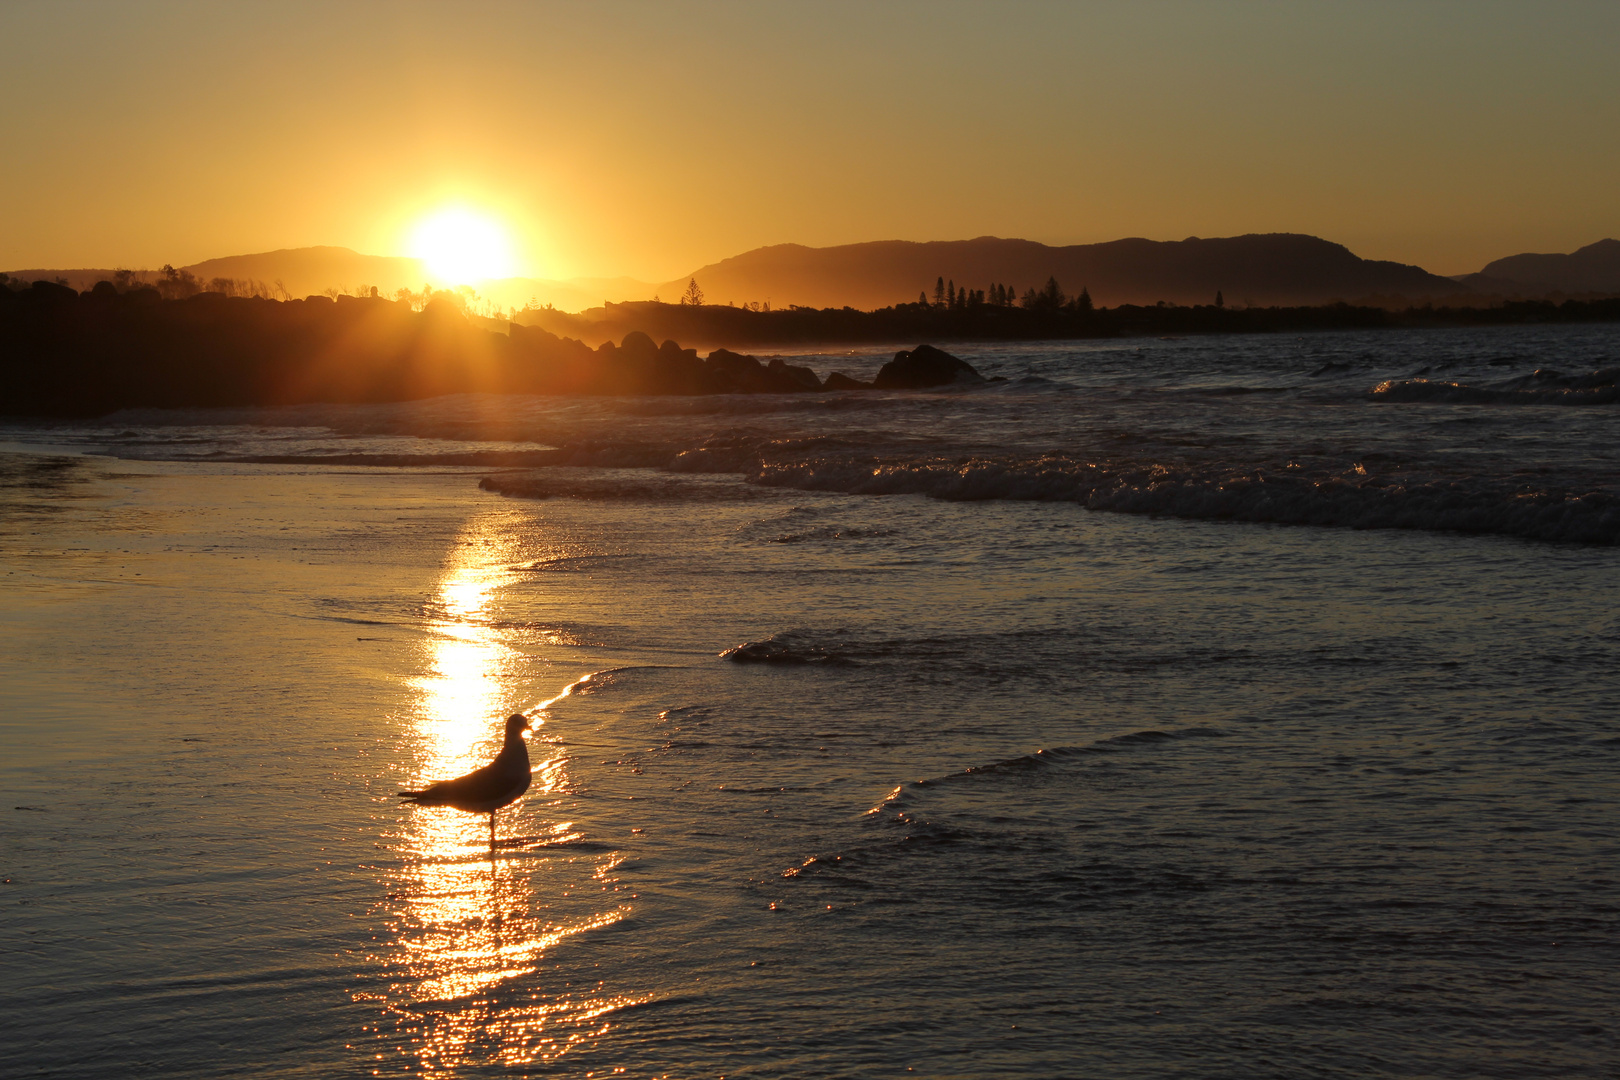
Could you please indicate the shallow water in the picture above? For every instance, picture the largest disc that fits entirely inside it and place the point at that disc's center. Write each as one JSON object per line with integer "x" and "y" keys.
{"x": 1023, "y": 789}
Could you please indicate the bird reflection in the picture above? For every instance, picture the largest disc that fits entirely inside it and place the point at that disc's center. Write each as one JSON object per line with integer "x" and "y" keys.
{"x": 472, "y": 933}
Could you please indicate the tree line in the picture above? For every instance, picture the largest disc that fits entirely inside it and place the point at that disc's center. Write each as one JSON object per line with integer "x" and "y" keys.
{"x": 1048, "y": 298}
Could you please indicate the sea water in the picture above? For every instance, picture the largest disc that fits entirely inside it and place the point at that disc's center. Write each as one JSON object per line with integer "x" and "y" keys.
{"x": 1219, "y": 707}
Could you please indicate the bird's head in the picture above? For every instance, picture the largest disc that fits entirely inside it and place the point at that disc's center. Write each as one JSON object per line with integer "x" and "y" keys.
{"x": 516, "y": 725}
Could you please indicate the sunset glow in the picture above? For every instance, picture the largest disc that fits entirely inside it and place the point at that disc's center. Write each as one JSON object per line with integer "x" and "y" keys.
{"x": 461, "y": 246}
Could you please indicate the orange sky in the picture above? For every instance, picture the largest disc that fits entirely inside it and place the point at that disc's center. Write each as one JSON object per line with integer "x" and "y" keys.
{"x": 647, "y": 140}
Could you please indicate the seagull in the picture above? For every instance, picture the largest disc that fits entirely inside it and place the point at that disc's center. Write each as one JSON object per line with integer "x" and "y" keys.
{"x": 486, "y": 790}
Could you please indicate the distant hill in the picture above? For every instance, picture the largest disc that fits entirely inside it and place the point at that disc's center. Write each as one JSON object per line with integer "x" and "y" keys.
{"x": 300, "y": 271}
{"x": 1594, "y": 268}
{"x": 78, "y": 279}
{"x": 311, "y": 270}
{"x": 574, "y": 294}
{"x": 1261, "y": 269}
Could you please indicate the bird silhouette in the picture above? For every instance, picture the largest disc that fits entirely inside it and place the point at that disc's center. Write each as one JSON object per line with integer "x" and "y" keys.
{"x": 486, "y": 790}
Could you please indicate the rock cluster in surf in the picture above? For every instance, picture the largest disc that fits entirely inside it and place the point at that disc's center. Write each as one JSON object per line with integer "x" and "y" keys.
{"x": 64, "y": 353}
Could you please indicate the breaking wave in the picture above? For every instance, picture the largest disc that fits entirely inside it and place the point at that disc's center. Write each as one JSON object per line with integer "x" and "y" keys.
{"x": 646, "y": 487}
{"x": 1541, "y": 387}
{"x": 785, "y": 648}
{"x": 1352, "y": 499}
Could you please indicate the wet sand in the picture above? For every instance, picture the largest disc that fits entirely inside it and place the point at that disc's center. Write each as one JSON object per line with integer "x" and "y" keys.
{"x": 1047, "y": 786}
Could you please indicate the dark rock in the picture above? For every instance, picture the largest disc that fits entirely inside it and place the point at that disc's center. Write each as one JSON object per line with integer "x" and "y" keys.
{"x": 49, "y": 292}
{"x": 637, "y": 366}
{"x": 839, "y": 381}
{"x": 924, "y": 367}
{"x": 792, "y": 379}
{"x": 727, "y": 362}
{"x": 638, "y": 345}
{"x": 672, "y": 352}
{"x": 732, "y": 373}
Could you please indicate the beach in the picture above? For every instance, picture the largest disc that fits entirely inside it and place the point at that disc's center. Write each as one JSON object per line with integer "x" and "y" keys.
{"x": 1020, "y": 767}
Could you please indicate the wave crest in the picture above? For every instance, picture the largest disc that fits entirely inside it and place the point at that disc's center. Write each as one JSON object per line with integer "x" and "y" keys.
{"x": 1353, "y": 499}
{"x": 1541, "y": 387}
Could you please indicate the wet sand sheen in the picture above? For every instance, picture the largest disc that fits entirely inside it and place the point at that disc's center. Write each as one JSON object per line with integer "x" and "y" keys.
{"x": 1255, "y": 821}
{"x": 250, "y": 659}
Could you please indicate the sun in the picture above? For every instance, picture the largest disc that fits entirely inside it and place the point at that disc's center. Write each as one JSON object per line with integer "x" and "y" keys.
{"x": 460, "y": 247}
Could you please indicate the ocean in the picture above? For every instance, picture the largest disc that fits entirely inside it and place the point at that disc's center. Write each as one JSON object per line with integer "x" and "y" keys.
{"x": 1215, "y": 707}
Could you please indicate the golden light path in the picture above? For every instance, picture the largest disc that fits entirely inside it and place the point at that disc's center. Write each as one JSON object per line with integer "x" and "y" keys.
{"x": 471, "y": 924}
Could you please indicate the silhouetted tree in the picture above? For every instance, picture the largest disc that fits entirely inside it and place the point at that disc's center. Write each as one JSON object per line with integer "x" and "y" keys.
{"x": 939, "y": 292}
{"x": 922, "y": 298}
{"x": 693, "y": 297}
{"x": 178, "y": 284}
{"x": 1220, "y": 301}
{"x": 1083, "y": 301}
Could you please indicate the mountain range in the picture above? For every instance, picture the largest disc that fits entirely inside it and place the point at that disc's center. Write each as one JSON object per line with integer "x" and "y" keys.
{"x": 1253, "y": 270}
{"x": 1594, "y": 268}
{"x": 1260, "y": 269}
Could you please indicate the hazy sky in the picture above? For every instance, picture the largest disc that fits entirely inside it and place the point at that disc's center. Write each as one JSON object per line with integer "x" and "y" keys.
{"x": 649, "y": 139}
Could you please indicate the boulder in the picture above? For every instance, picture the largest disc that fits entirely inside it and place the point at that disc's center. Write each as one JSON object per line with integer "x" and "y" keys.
{"x": 51, "y": 292}
{"x": 672, "y": 353}
{"x": 839, "y": 381}
{"x": 638, "y": 345}
{"x": 790, "y": 378}
{"x": 733, "y": 373}
{"x": 924, "y": 367}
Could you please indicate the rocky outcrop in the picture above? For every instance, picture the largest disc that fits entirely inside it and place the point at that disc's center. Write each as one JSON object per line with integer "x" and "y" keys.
{"x": 925, "y": 367}
{"x": 67, "y": 354}
{"x": 790, "y": 377}
{"x": 734, "y": 373}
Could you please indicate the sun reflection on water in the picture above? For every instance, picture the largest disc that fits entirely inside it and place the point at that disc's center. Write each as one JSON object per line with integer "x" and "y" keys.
{"x": 471, "y": 931}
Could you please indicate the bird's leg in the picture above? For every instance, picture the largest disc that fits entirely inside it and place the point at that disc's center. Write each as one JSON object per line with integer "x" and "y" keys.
{"x": 492, "y": 832}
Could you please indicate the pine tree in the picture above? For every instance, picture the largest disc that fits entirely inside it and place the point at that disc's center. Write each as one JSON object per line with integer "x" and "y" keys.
{"x": 1220, "y": 301}
{"x": 1083, "y": 302}
{"x": 693, "y": 295}
{"x": 939, "y": 292}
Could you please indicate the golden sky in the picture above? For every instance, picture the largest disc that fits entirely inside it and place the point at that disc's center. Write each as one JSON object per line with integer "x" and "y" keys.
{"x": 646, "y": 140}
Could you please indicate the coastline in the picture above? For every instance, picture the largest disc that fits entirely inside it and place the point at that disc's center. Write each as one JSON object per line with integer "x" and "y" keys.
{"x": 66, "y": 354}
